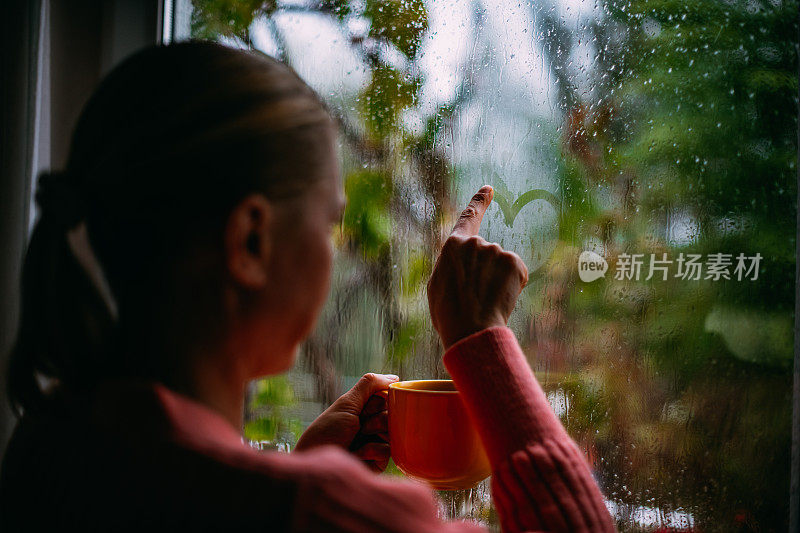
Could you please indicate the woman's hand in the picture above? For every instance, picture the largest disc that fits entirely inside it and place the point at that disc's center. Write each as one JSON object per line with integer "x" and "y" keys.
{"x": 475, "y": 284}
{"x": 357, "y": 422}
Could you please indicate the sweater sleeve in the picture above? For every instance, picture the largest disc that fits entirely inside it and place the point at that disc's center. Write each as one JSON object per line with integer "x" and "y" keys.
{"x": 540, "y": 481}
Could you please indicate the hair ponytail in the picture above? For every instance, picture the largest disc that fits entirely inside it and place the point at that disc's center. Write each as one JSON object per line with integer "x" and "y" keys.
{"x": 66, "y": 326}
{"x": 172, "y": 139}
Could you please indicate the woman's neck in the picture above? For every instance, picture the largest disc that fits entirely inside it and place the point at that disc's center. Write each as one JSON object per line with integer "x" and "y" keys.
{"x": 213, "y": 382}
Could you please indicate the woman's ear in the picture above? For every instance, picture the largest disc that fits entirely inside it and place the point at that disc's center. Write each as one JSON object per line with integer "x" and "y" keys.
{"x": 248, "y": 242}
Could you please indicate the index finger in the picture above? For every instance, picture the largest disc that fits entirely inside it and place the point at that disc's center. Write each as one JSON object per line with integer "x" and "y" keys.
{"x": 469, "y": 222}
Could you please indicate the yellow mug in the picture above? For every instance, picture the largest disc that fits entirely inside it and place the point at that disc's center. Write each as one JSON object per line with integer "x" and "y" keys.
{"x": 432, "y": 437}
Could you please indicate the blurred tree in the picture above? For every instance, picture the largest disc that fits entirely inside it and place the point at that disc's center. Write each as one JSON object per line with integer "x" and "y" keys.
{"x": 688, "y": 144}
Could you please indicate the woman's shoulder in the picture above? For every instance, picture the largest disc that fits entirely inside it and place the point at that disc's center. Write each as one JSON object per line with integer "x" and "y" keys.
{"x": 323, "y": 485}
{"x": 153, "y": 456}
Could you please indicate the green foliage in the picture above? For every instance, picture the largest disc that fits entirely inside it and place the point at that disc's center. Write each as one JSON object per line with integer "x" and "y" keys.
{"x": 578, "y": 206}
{"x": 273, "y": 428}
{"x": 588, "y": 411}
{"x": 340, "y": 8}
{"x": 416, "y": 274}
{"x": 720, "y": 86}
{"x": 212, "y": 19}
{"x": 262, "y": 429}
{"x": 384, "y": 99}
{"x": 401, "y": 22}
{"x": 697, "y": 120}
{"x": 268, "y": 402}
{"x": 274, "y": 391}
{"x": 366, "y": 221}
{"x": 405, "y": 341}
{"x": 392, "y": 470}
{"x": 756, "y": 337}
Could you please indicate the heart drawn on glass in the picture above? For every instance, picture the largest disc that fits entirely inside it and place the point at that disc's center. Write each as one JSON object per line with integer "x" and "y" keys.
{"x": 516, "y": 233}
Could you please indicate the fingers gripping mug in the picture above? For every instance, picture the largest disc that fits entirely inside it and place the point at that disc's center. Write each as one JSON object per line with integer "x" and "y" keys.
{"x": 431, "y": 436}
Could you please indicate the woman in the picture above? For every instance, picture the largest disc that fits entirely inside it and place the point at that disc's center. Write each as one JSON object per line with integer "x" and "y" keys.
{"x": 185, "y": 251}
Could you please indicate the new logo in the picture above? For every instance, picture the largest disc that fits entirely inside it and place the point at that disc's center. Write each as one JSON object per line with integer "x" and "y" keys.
{"x": 591, "y": 266}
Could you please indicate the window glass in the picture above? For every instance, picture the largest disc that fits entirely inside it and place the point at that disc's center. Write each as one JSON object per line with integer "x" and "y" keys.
{"x": 643, "y": 156}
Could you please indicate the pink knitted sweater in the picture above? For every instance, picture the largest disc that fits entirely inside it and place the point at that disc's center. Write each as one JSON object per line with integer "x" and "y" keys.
{"x": 142, "y": 456}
